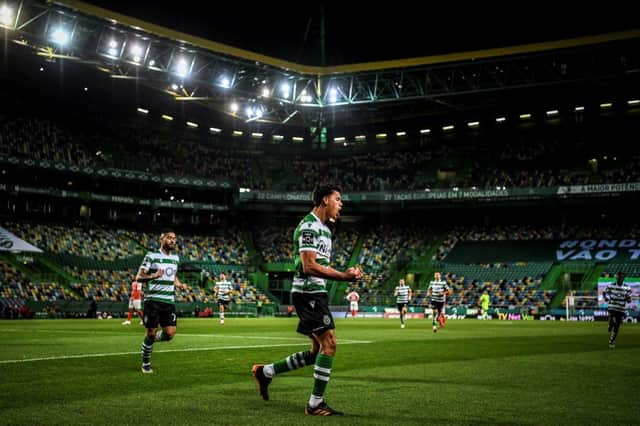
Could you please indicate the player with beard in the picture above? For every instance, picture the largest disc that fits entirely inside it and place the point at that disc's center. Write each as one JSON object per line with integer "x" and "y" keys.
{"x": 160, "y": 271}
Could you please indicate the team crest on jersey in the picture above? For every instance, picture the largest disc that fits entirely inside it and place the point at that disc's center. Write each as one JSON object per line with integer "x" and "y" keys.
{"x": 312, "y": 304}
{"x": 326, "y": 320}
{"x": 169, "y": 271}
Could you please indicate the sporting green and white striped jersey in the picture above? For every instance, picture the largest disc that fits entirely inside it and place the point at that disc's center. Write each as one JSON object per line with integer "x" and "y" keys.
{"x": 402, "y": 293}
{"x": 310, "y": 235}
{"x": 161, "y": 289}
{"x": 618, "y": 297}
{"x": 223, "y": 290}
{"x": 438, "y": 289}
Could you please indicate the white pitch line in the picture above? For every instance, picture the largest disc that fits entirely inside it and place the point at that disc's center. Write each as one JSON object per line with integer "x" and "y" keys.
{"x": 119, "y": 332}
{"x": 217, "y": 348}
{"x": 299, "y": 339}
{"x": 178, "y": 334}
{"x": 220, "y": 336}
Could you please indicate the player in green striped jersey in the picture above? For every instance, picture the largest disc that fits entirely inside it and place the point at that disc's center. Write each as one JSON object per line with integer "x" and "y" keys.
{"x": 403, "y": 294}
{"x": 222, "y": 292}
{"x": 159, "y": 270}
{"x": 312, "y": 251}
{"x": 617, "y": 295}
{"x": 437, "y": 292}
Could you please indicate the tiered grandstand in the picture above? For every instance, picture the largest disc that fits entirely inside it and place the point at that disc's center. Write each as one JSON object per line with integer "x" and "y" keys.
{"x": 516, "y": 264}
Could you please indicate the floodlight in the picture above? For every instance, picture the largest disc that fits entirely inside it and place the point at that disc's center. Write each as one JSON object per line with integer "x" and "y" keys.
{"x": 136, "y": 53}
{"x": 305, "y": 97}
{"x": 181, "y": 68}
{"x": 7, "y": 16}
{"x": 285, "y": 90}
{"x": 333, "y": 95}
{"x": 60, "y": 36}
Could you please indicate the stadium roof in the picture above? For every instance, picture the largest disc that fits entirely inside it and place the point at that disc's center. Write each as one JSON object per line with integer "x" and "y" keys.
{"x": 356, "y": 33}
{"x": 256, "y": 71}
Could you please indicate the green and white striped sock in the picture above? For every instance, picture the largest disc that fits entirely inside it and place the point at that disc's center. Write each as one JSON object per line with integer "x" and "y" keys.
{"x": 147, "y": 348}
{"x": 321, "y": 375}
{"x": 292, "y": 362}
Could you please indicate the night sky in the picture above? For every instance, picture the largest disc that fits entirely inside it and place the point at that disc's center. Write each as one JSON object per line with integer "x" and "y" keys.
{"x": 360, "y": 33}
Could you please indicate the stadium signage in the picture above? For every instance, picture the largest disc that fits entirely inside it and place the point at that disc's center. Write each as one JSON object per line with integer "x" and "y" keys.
{"x": 544, "y": 251}
{"x": 435, "y": 195}
{"x": 444, "y": 195}
{"x": 397, "y": 196}
{"x": 514, "y": 317}
{"x": 404, "y": 196}
{"x": 281, "y": 196}
{"x": 456, "y": 316}
{"x": 10, "y": 242}
{"x": 599, "y": 189}
{"x": 602, "y": 250}
{"x": 111, "y": 198}
{"x": 589, "y": 318}
{"x": 120, "y": 199}
{"x": 586, "y": 315}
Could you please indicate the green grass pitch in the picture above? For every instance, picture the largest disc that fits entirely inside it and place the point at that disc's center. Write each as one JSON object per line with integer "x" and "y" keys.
{"x": 471, "y": 372}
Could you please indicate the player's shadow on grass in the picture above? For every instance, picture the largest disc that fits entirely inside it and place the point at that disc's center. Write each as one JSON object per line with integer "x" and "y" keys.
{"x": 417, "y": 380}
{"x": 423, "y": 417}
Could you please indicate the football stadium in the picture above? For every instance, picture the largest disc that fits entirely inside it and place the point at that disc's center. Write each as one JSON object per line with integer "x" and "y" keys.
{"x": 239, "y": 226}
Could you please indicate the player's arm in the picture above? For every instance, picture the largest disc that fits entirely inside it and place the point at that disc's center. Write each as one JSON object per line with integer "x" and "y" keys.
{"x": 311, "y": 267}
{"x": 178, "y": 284}
{"x": 144, "y": 276}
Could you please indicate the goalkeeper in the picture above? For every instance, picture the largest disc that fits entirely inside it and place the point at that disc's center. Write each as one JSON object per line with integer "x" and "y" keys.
{"x": 484, "y": 305}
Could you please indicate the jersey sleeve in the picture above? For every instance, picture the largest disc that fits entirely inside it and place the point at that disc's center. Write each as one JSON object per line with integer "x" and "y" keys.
{"x": 146, "y": 262}
{"x": 308, "y": 238}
